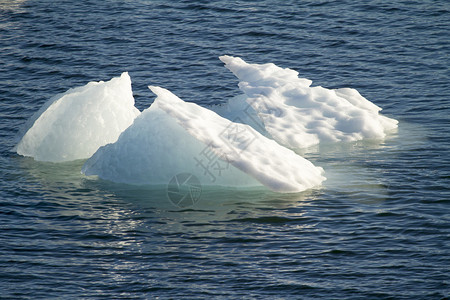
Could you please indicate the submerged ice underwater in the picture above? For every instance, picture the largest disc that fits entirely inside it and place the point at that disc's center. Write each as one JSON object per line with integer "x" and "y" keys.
{"x": 252, "y": 140}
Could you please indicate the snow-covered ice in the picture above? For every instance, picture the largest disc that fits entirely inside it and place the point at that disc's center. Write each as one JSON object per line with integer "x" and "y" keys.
{"x": 241, "y": 144}
{"x": 73, "y": 125}
{"x": 154, "y": 149}
{"x": 297, "y": 115}
{"x": 173, "y": 136}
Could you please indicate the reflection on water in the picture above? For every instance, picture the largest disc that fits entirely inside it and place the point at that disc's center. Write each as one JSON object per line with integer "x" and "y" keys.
{"x": 118, "y": 218}
{"x": 11, "y": 5}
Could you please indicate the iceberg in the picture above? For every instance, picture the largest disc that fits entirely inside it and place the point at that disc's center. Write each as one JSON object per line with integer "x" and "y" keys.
{"x": 299, "y": 116}
{"x": 248, "y": 142}
{"x": 173, "y": 136}
{"x": 73, "y": 125}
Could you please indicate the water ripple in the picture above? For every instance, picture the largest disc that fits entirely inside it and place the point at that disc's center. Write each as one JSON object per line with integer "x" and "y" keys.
{"x": 377, "y": 229}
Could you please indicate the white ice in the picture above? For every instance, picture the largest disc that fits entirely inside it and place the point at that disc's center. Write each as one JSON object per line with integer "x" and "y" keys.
{"x": 243, "y": 147}
{"x": 297, "y": 115}
{"x": 173, "y": 137}
{"x": 75, "y": 124}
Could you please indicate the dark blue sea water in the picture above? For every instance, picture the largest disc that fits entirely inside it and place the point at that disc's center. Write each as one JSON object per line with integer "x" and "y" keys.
{"x": 377, "y": 229}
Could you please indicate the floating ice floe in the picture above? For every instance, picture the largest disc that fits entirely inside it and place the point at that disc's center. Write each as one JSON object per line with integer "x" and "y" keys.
{"x": 73, "y": 125}
{"x": 244, "y": 148}
{"x": 173, "y": 137}
{"x": 297, "y": 115}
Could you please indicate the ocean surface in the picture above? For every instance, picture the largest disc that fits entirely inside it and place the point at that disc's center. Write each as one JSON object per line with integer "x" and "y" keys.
{"x": 378, "y": 228}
